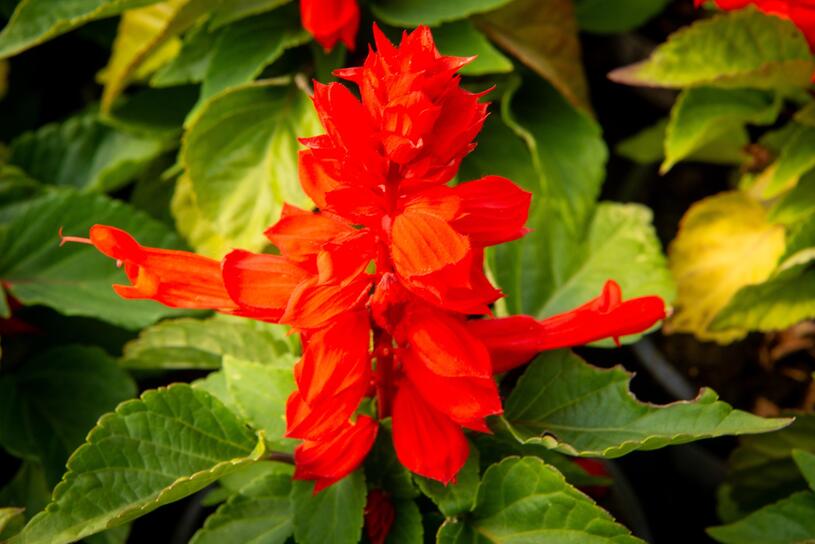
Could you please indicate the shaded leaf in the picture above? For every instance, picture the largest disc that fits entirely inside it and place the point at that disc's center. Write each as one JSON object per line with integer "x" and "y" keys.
{"x": 191, "y": 63}
{"x": 28, "y": 489}
{"x": 459, "y": 497}
{"x": 806, "y": 464}
{"x": 412, "y": 13}
{"x": 233, "y": 11}
{"x": 725, "y": 242}
{"x": 741, "y": 48}
{"x": 543, "y": 35}
{"x": 568, "y": 405}
{"x": 11, "y": 521}
{"x": 169, "y": 444}
{"x": 797, "y": 204}
{"x": 334, "y": 515}
{"x": 76, "y": 279}
{"x": 407, "y": 525}
{"x": 603, "y": 17}
{"x": 525, "y": 500}
{"x": 461, "y": 39}
{"x": 241, "y": 155}
{"x": 789, "y": 521}
{"x": 203, "y": 343}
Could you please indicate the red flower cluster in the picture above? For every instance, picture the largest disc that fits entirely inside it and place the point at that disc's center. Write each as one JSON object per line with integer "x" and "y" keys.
{"x": 800, "y": 12}
{"x": 385, "y": 281}
{"x": 331, "y": 21}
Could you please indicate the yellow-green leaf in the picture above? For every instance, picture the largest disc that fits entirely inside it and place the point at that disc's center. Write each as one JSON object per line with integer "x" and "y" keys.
{"x": 725, "y": 242}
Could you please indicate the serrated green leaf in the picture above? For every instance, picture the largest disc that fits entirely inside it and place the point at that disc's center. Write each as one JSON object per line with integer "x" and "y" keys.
{"x": 461, "y": 39}
{"x": 407, "y": 525}
{"x": 806, "y": 464}
{"x": 412, "y": 13}
{"x": 203, "y": 343}
{"x": 525, "y": 500}
{"x": 741, "y": 48}
{"x": 35, "y": 21}
{"x": 48, "y": 406}
{"x": 82, "y": 152}
{"x": 605, "y": 17}
{"x": 789, "y": 521}
{"x": 260, "y": 514}
{"x": 260, "y": 392}
{"x": 706, "y": 114}
{"x": 334, "y": 515}
{"x": 76, "y": 279}
{"x": 244, "y": 479}
{"x": 459, "y": 497}
{"x": 761, "y": 470}
{"x": 543, "y": 35}
{"x": 152, "y": 451}
{"x": 241, "y": 154}
{"x": 568, "y": 405}
{"x": 16, "y": 188}
{"x": 244, "y": 48}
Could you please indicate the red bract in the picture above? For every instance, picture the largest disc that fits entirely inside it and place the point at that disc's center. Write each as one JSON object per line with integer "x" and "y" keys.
{"x": 800, "y": 12}
{"x": 379, "y": 516}
{"x": 331, "y": 21}
{"x": 385, "y": 282}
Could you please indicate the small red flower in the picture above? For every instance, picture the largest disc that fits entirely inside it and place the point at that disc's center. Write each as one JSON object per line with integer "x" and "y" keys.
{"x": 385, "y": 283}
{"x": 800, "y": 12}
{"x": 379, "y": 516}
{"x": 331, "y": 21}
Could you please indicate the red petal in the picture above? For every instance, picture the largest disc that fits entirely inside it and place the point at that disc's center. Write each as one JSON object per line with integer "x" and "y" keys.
{"x": 316, "y": 420}
{"x": 330, "y": 21}
{"x": 300, "y": 234}
{"x": 178, "y": 279}
{"x": 315, "y": 181}
{"x": 423, "y": 244}
{"x": 426, "y": 441}
{"x": 346, "y": 257}
{"x": 494, "y": 210}
{"x": 330, "y": 460}
{"x": 312, "y": 305}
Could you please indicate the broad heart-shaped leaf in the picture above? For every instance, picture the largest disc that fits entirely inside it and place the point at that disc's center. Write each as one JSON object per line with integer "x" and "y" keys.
{"x": 50, "y": 403}
{"x": 82, "y": 152}
{"x": 241, "y": 154}
{"x": 334, "y": 515}
{"x": 76, "y": 279}
{"x": 244, "y": 48}
{"x": 741, "y": 48}
{"x": 725, "y": 242}
{"x": 203, "y": 344}
{"x": 152, "y": 451}
{"x": 604, "y": 17}
{"x": 35, "y": 21}
{"x": 705, "y": 114}
{"x": 525, "y": 500}
{"x": 568, "y": 405}
{"x": 543, "y": 35}
{"x": 762, "y": 470}
{"x": 260, "y": 514}
{"x": 461, "y": 39}
{"x": 410, "y": 13}
{"x": 260, "y": 392}
{"x": 147, "y": 39}
{"x": 459, "y": 497}
{"x": 788, "y": 521}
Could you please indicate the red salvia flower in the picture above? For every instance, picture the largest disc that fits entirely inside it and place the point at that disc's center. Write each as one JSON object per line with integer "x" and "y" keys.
{"x": 406, "y": 330}
{"x": 379, "y": 516}
{"x": 331, "y": 21}
{"x": 800, "y": 12}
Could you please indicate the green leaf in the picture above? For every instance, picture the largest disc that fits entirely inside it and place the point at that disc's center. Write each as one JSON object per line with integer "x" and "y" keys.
{"x": 806, "y": 464}
{"x": 28, "y": 489}
{"x": 568, "y": 405}
{"x": 16, "y": 188}
{"x": 158, "y": 113}
{"x": 407, "y": 525}
{"x": 260, "y": 514}
{"x": 797, "y": 204}
{"x": 334, "y": 515}
{"x": 741, "y": 48}
{"x": 383, "y": 470}
{"x": 706, "y": 114}
{"x": 232, "y": 11}
{"x": 48, "y": 406}
{"x": 543, "y": 35}
{"x": 203, "y": 343}
{"x": 412, "y": 13}
{"x": 241, "y": 155}
{"x": 605, "y": 17}
{"x": 461, "y": 39}
{"x": 169, "y": 444}
{"x": 459, "y": 497}
{"x": 797, "y": 157}
{"x": 11, "y": 521}
{"x": 260, "y": 392}
{"x": 525, "y": 500}
{"x": 197, "y": 230}
{"x": 82, "y": 152}
{"x": 789, "y": 521}
{"x": 761, "y": 470}
{"x": 35, "y": 21}
{"x": 244, "y": 48}
{"x": 776, "y": 304}
{"x": 76, "y": 279}
{"x": 191, "y": 63}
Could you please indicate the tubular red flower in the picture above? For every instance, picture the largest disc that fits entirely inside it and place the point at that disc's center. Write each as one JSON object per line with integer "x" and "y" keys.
{"x": 331, "y": 21}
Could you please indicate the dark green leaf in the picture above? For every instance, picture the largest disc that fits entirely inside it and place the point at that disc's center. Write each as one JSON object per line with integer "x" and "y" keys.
{"x": 334, "y": 515}
{"x": 603, "y": 17}
{"x": 789, "y": 521}
{"x": 461, "y": 39}
{"x": 806, "y": 464}
{"x": 412, "y": 13}
{"x": 459, "y": 497}
{"x": 407, "y": 526}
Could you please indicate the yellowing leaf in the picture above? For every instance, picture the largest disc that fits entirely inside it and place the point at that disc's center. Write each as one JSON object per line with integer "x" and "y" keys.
{"x": 147, "y": 39}
{"x": 543, "y": 35}
{"x": 198, "y": 232}
{"x": 725, "y": 242}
